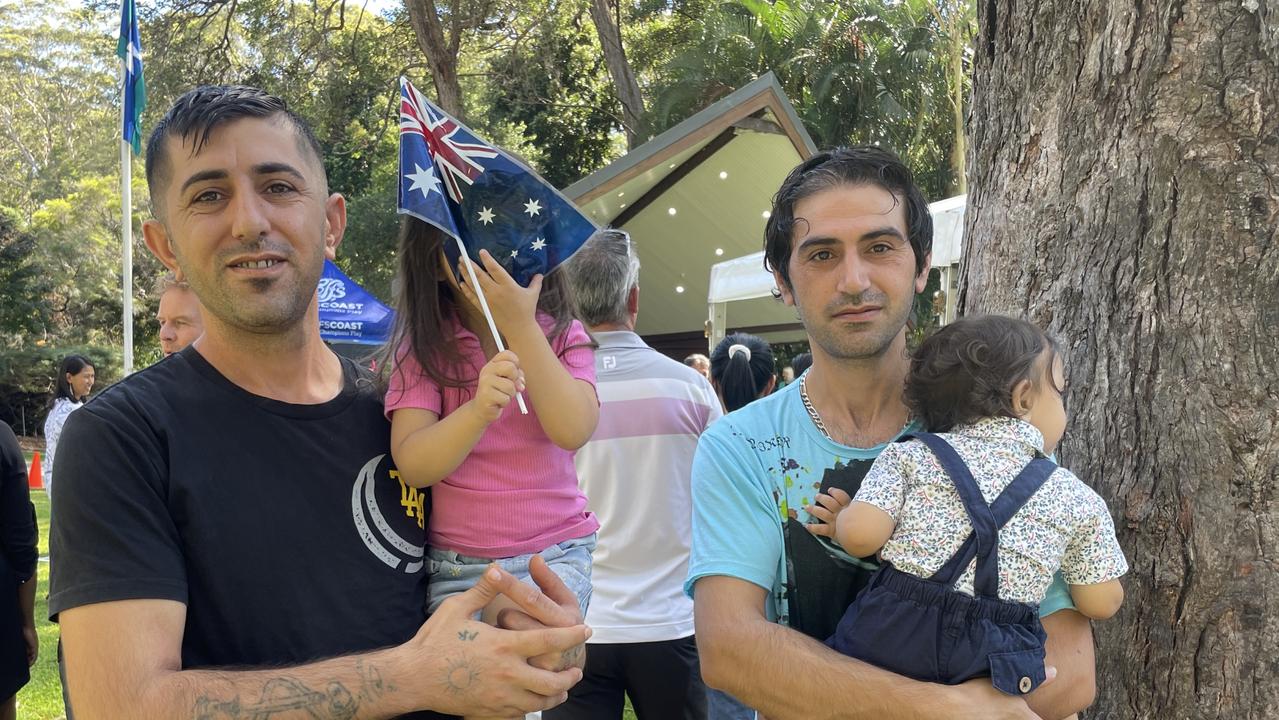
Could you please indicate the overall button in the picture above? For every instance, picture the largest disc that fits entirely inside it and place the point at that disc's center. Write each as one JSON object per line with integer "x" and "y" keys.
{"x": 1024, "y": 685}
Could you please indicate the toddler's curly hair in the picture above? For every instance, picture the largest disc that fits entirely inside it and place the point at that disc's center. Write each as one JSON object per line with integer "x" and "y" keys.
{"x": 967, "y": 370}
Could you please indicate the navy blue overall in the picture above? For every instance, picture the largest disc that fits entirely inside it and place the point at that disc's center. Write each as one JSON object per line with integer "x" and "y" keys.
{"x": 928, "y": 630}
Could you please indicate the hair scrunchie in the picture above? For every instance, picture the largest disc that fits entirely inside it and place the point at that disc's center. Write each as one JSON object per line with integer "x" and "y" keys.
{"x": 734, "y": 349}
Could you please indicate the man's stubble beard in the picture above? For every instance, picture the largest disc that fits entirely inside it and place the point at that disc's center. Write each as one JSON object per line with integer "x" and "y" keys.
{"x": 862, "y": 345}
{"x": 273, "y": 308}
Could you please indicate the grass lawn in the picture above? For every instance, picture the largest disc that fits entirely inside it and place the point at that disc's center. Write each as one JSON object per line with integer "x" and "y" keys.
{"x": 41, "y": 699}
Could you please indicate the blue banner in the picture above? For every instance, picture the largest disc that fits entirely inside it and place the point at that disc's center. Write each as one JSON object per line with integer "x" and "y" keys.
{"x": 348, "y": 313}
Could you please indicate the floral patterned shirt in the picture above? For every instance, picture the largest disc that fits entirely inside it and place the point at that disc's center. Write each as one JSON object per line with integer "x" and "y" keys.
{"x": 62, "y": 407}
{"x": 1065, "y": 525}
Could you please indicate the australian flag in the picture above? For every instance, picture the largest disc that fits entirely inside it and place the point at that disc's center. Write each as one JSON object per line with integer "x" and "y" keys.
{"x": 477, "y": 193}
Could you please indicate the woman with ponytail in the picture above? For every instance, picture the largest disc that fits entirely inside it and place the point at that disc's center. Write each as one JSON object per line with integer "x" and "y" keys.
{"x": 742, "y": 370}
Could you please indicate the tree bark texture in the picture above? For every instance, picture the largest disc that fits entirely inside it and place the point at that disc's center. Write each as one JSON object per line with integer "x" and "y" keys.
{"x": 441, "y": 52}
{"x": 619, "y": 69}
{"x": 1124, "y": 194}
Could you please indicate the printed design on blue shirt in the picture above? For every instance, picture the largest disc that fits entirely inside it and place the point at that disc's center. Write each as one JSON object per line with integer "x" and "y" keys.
{"x": 818, "y": 573}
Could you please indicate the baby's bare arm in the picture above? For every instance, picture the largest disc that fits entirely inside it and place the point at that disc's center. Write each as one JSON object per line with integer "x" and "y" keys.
{"x": 1098, "y": 601}
{"x": 862, "y": 529}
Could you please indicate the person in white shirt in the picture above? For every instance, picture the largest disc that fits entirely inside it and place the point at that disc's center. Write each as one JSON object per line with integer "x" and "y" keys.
{"x": 75, "y": 380}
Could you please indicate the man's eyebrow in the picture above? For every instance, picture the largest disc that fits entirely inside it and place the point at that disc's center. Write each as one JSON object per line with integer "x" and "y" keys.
{"x": 816, "y": 241}
{"x": 272, "y": 168}
{"x": 882, "y": 231}
{"x": 201, "y": 177}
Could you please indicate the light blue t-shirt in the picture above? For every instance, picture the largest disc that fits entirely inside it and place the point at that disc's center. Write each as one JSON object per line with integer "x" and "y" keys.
{"x": 755, "y": 471}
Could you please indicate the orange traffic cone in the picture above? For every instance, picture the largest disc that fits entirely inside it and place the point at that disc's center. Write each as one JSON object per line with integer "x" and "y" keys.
{"x": 35, "y": 479}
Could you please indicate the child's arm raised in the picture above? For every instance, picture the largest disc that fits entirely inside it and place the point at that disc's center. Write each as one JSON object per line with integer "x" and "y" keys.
{"x": 566, "y": 407}
{"x": 426, "y": 449}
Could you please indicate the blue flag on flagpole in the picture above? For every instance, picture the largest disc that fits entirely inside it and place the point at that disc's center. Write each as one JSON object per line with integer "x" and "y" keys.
{"x": 129, "y": 50}
{"x": 475, "y": 192}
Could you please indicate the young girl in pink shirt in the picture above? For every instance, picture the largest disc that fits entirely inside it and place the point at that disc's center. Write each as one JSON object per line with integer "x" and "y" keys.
{"x": 504, "y": 486}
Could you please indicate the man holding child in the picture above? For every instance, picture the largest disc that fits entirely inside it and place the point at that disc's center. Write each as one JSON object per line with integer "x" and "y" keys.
{"x": 848, "y": 240}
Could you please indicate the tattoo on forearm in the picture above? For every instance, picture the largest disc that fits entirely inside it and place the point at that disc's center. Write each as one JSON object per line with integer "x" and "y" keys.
{"x": 286, "y": 694}
{"x": 373, "y": 686}
{"x": 460, "y": 674}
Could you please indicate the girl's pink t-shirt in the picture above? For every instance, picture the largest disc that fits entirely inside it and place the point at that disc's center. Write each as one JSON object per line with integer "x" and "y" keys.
{"x": 517, "y": 492}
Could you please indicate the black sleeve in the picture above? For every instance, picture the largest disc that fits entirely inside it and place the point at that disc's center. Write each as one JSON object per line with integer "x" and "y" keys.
{"x": 17, "y": 515}
{"x": 112, "y": 535}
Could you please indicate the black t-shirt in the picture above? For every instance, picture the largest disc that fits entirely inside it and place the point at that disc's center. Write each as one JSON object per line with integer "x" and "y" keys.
{"x": 283, "y": 528}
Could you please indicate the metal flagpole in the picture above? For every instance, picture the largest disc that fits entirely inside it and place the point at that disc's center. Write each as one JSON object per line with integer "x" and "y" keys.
{"x": 484, "y": 305}
{"x": 126, "y": 211}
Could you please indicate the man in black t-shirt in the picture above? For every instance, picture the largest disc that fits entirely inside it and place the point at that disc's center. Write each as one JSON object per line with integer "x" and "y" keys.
{"x": 232, "y": 538}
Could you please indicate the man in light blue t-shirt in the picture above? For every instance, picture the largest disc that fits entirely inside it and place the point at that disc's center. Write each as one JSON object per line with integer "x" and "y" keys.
{"x": 848, "y": 240}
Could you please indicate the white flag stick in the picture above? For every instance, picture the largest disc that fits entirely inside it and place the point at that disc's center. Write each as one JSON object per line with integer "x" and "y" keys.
{"x": 484, "y": 305}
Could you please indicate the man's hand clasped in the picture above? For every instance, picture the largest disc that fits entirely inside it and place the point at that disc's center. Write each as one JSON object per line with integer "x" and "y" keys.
{"x": 527, "y": 664}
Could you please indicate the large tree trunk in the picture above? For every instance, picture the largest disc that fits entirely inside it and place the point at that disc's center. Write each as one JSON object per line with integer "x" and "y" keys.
{"x": 441, "y": 52}
{"x": 1125, "y": 194}
{"x": 619, "y": 69}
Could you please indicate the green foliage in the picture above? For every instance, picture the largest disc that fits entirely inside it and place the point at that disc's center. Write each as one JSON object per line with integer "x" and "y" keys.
{"x": 23, "y": 313}
{"x": 332, "y": 63}
{"x": 557, "y": 96}
{"x": 863, "y": 72}
{"x": 57, "y": 103}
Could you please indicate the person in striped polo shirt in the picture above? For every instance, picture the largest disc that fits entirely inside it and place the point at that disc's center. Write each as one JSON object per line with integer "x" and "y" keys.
{"x": 635, "y": 470}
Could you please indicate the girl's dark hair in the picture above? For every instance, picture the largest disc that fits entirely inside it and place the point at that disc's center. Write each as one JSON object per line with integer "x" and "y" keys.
{"x": 71, "y": 365}
{"x": 967, "y": 370}
{"x": 802, "y": 362}
{"x": 425, "y": 309}
{"x": 738, "y": 378}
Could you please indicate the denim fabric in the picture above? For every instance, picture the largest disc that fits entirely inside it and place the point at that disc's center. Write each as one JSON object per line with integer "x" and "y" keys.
{"x": 451, "y": 573}
{"x": 722, "y": 706}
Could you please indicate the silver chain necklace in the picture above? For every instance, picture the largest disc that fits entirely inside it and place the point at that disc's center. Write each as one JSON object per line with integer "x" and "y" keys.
{"x": 812, "y": 411}
{"x": 817, "y": 419}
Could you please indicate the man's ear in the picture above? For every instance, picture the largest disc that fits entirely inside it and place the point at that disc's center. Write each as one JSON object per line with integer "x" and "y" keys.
{"x": 921, "y": 280}
{"x": 161, "y": 246}
{"x": 632, "y": 301}
{"x": 1022, "y": 398}
{"x": 788, "y": 296}
{"x": 334, "y": 224}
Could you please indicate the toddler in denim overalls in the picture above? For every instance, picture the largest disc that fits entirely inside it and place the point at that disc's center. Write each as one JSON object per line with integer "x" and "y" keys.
{"x": 972, "y": 523}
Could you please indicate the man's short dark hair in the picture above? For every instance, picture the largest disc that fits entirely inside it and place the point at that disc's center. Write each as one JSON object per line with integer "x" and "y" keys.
{"x": 202, "y": 110}
{"x": 858, "y": 165}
